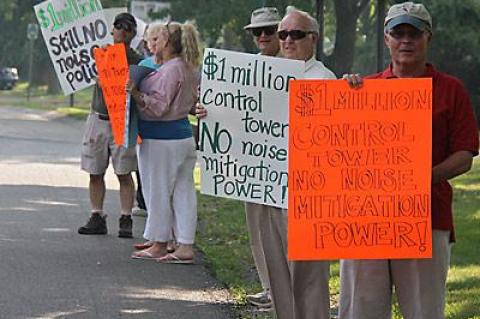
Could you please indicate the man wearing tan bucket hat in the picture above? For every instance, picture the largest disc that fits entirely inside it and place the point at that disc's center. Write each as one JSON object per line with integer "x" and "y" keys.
{"x": 367, "y": 285}
{"x": 263, "y": 27}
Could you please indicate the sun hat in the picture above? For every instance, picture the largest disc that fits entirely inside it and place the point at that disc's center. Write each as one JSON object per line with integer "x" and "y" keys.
{"x": 263, "y": 17}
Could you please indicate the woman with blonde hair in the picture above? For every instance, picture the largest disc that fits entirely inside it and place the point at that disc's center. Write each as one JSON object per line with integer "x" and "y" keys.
{"x": 167, "y": 154}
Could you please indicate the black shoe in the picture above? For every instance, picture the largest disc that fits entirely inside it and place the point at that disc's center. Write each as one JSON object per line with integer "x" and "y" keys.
{"x": 125, "y": 228}
{"x": 96, "y": 225}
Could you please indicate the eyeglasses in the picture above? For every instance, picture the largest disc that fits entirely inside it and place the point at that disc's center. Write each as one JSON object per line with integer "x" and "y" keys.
{"x": 294, "y": 34}
{"x": 266, "y": 30}
{"x": 413, "y": 34}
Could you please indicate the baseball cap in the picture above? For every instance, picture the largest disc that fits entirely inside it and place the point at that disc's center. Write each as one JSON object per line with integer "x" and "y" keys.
{"x": 411, "y": 13}
{"x": 125, "y": 21}
{"x": 263, "y": 17}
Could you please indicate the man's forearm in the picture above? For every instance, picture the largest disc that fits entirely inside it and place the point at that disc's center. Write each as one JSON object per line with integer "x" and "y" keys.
{"x": 456, "y": 164}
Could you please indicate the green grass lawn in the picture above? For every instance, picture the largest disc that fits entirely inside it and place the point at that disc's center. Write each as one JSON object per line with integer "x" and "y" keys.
{"x": 222, "y": 236}
{"x": 40, "y": 99}
{"x": 222, "y": 233}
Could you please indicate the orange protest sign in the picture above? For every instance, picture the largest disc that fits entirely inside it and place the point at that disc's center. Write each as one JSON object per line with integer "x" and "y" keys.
{"x": 112, "y": 67}
{"x": 360, "y": 169}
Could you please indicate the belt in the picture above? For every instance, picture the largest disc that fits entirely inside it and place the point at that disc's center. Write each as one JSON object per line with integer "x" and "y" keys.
{"x": 103, "y": 117}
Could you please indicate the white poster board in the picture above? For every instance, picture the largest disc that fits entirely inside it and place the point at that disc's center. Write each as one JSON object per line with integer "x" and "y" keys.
{"x": 244, "y": 138}
{"x": 71, "y": 30}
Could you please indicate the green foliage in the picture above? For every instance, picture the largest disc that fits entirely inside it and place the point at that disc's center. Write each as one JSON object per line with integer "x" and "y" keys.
{"x": 221, "y": 22}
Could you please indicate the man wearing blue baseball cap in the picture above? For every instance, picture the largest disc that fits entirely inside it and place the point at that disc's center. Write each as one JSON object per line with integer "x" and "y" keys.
{"x": 367, "y": 285}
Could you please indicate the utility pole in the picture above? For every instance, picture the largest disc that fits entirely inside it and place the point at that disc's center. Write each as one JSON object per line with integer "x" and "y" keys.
{"x": 380, "y": 45}
{"x": 320, "y": 19}
{"x": 32, "y": 35}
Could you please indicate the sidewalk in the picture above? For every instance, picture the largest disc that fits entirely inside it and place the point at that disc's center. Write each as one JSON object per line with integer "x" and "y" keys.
{"x": 47, "y": 270}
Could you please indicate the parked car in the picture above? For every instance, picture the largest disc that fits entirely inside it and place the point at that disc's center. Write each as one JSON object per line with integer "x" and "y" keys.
{"x": 8, "y": 78}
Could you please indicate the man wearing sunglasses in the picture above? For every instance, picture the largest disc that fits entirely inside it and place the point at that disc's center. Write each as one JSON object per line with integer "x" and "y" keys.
{"x": 98, "y": 147}
{"x": 299, "y": 289}
{"x": 367, "y": 285}
{"x": 263, "y": 27}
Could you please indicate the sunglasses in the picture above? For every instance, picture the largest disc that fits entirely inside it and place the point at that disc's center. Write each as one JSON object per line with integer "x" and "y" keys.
{"x": 294, "y": 34}
{"x": 265, "y": 30}
{"x": 122, "y": 26}
{"x": 413, "y": 34}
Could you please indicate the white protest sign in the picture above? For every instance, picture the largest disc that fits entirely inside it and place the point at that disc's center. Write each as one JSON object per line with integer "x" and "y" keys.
{"x": 244, "y": 138}
{"x": 71, "y": 30}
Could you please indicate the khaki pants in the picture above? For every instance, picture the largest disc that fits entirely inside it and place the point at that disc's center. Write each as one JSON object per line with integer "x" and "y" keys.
{"x": 299, "y": 289}
{"x": 366, "y": 285}
{"x": 254, "y": 215}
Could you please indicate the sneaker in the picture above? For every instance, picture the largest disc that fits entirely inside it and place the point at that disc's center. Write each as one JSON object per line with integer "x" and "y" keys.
{"x": 125, "y": 228}
{"x": 96, "y": 225}
{"x": 137, "y": 211}
{"x": 261, "y": 299}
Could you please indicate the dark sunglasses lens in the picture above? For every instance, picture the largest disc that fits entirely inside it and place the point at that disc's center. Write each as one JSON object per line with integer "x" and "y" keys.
{"x": 267, "y": 31}
{"x": 121, "y": 26}
{"x": 294, "y": 34}
{"x": 257, "y": 32}
{"x": 283, "y": 35}
{"x": 297, "y": 34}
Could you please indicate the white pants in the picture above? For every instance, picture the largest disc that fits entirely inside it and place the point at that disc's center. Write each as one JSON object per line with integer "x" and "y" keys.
{"x": 366, "y": 285}
{"x": 166, "y": 170}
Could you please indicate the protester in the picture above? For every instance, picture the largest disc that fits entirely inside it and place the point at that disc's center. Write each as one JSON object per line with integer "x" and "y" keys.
{"x": 366, "y": 285}
{"x": 299, "y": 289}
{"x": 154, "y": 60}
{"x": 167, "y": 154}
{"x": 151, "y": 61}
{"x": 98, "y": 146}
{"x": 263, "y": 27}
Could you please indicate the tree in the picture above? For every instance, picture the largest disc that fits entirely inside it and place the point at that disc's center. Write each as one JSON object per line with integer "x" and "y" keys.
{"x": 347, "y": 13}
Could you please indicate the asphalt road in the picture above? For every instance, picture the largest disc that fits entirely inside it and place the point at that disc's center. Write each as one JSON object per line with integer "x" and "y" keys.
{"x": 47, "y": 270}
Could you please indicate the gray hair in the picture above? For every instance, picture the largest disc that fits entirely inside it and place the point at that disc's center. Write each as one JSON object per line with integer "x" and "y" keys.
{"x": 313, "y": 22}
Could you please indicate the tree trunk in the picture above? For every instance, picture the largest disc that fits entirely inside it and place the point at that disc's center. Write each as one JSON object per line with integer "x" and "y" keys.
{"x": 347, "y": 13}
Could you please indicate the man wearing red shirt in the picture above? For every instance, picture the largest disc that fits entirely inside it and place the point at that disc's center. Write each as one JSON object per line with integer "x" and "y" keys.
{"x": 366, "y": 285}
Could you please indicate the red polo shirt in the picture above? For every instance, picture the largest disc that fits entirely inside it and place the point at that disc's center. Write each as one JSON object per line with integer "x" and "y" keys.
{"x": 454, "y": 129}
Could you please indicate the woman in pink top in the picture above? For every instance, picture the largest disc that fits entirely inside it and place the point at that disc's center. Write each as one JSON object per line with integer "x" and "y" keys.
{"x": 167, "y": 155}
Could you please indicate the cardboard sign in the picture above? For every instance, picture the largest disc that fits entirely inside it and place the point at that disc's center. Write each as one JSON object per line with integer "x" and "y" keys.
{"x": 360, "y": 170}
{"x": 244, "y": 138}
{"x": 72, "y": 29}
{"x": 112, "y": 69}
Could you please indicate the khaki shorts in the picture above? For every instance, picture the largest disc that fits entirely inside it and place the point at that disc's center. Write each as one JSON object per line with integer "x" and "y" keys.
{"x": 98, "y": 146}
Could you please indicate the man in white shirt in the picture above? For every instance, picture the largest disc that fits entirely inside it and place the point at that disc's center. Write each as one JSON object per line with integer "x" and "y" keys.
{"x": 299, "y": 289}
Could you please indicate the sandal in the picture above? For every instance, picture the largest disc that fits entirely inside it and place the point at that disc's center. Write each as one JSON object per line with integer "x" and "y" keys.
{"x": 145, "y": 255}
{"x": 172, "y": 259}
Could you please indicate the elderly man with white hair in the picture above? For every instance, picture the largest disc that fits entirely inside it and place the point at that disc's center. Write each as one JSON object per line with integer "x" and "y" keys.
{"x": 299, "y": 288}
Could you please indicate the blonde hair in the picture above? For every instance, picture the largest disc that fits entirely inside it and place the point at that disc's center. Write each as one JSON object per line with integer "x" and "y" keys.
{"x": 153, "y": 30}
{"x": 185, "y": 40}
